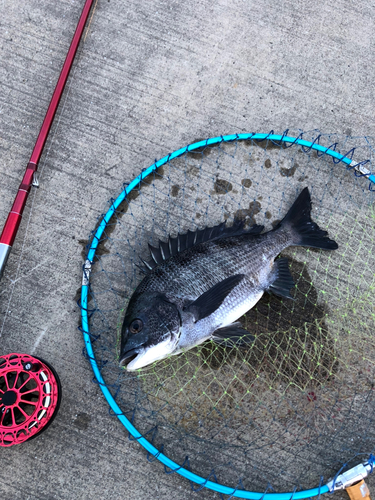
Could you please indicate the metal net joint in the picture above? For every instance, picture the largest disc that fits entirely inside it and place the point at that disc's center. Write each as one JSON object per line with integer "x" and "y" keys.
{"x": 86, "y": 273}
{"x": 351, "y": 476}
{"x": 360, "y": 168}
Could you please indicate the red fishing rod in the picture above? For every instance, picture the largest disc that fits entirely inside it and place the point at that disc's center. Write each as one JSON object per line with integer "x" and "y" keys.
{"x": 30, "y": 390}
{"x": 15, "y": 215}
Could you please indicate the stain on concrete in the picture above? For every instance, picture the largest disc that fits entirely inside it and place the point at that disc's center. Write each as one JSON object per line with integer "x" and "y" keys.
{"x": 268, "y": 215}
{"x": 249, "y": 213}
{"x": 192, "y": 171}
{"x": 254, "y": 207}
{"x": 268, "y": 163}
{"x": 84, "y": 244}
{"x": 82, "y": 421}
{"x": 160, "y": 172}
{"x": 175, "y": 189}
{"x": 289, "y": 172}
{"x": 246, "y": 183}
{"x": 222, "y": 186}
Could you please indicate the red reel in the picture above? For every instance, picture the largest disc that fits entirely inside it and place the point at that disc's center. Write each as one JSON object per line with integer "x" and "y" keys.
{"x": 30, "y": 395}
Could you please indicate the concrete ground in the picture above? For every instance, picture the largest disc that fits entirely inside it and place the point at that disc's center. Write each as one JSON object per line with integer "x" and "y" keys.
{"x": 149, "y": 78}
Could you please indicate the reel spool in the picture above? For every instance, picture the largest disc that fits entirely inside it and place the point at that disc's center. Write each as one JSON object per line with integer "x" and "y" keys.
{"x": 30, "y": 395}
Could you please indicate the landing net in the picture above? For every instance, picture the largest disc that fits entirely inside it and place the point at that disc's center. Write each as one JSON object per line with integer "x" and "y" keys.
{"x": 297, "y": 406}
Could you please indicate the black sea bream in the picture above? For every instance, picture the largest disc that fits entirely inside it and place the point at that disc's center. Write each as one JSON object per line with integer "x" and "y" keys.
{"x": 198, "y": 284}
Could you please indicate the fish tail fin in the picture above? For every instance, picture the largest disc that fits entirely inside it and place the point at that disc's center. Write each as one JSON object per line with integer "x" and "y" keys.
{"x": 305, "y": 232}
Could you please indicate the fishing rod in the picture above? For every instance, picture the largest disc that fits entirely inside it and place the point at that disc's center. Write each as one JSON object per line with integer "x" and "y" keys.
{"x": 30, "y": 389}
{"x": 13, "y": 221}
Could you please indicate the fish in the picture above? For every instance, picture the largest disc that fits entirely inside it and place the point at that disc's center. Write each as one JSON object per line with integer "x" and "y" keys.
{"x": 198, "y": 284}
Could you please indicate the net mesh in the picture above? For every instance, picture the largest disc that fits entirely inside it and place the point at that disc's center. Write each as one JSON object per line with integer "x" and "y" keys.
{"x": 297, "y": 405}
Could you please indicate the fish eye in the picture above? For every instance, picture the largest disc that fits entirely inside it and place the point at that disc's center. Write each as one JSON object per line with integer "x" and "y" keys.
{"x": 136, "y": 326}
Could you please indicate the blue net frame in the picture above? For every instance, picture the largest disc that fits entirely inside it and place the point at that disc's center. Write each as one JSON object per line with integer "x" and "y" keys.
{"x": 152, "y": 452}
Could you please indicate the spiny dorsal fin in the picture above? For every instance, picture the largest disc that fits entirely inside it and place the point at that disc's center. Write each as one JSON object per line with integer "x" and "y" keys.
{"x": 181, "y": 242}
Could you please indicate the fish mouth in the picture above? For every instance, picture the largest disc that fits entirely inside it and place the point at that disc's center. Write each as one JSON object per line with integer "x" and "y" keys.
{"x": 131, "y": 348}
{"x": 128, "y": 357}
{"x": 139, "y": 357}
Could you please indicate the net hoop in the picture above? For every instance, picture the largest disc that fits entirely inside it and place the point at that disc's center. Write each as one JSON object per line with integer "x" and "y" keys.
{"x": 136, "y": 435}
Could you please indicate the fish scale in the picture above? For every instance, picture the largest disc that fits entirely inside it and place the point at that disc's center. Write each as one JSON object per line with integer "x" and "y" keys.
{"x": 219, "y": 258}
{"x": 198, "y": 269}
{"x": 255, "y": 259}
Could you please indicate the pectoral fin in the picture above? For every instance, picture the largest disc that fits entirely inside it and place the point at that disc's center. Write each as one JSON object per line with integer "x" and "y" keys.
{"x": 233, "y": 335}
{"x": 211, "y": 300}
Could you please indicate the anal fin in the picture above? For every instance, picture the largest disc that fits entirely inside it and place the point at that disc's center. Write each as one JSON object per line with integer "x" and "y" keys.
{"x": 283, "y": 281}
{"x": 233, "y": 335}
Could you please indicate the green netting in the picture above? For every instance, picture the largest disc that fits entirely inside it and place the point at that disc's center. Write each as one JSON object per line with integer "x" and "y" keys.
{"x": 297, "y": 405}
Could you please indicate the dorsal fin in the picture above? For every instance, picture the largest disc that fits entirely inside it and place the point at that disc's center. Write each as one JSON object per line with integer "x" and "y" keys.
{"x": 181, "y": 242}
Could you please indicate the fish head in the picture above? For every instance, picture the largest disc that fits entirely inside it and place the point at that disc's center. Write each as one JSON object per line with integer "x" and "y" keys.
{"x": 151, "y": 330}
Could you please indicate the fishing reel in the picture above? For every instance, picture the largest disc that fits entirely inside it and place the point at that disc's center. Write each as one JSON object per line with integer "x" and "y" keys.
{"x": 30, "y": 395}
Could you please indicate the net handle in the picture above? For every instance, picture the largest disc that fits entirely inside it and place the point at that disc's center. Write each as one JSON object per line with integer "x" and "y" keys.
{"x": 359, "y": 491}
